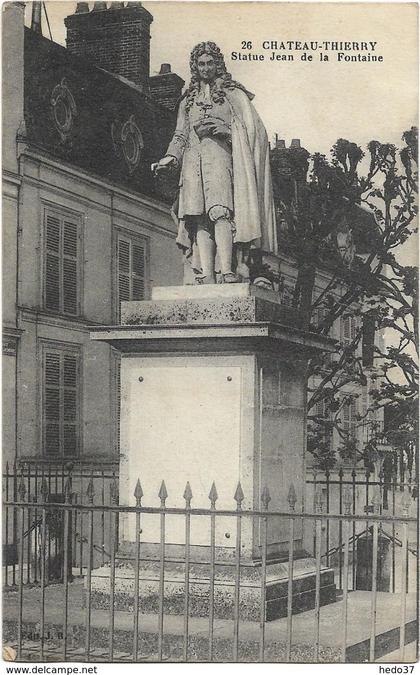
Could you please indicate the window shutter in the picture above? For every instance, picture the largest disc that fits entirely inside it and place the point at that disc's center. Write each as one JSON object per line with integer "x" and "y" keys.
{"x": 61, "y": 384}
{"x": 123, "y": 271}
{"x": 353, "y": 413}
{"x": 138, "y": 271}
{"x": 52, "y": 263}
{"x": 70, "y": 246}
{"x": 131, "y": 273}
{"x": 61, "y": 264}
{"x": 52, "y": 404}
{"x": 346, "y": 330}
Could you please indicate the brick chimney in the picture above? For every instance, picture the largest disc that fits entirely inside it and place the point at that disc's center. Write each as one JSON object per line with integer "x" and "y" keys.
{"x": 166, "y": 87}
{"x": 114, "y": 37}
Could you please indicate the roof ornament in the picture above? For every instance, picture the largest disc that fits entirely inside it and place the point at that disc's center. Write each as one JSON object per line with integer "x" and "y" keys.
{"x": 64, "y": 109}
{"x": 128, "y": 142}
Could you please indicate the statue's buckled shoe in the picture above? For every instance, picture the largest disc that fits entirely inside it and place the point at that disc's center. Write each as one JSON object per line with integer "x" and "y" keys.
{"x": 209, "y": 279}
{"x": 231, "y": 278}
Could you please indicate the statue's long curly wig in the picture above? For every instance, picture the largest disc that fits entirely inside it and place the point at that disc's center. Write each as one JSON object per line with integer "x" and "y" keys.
{"x": 222, "y": 81}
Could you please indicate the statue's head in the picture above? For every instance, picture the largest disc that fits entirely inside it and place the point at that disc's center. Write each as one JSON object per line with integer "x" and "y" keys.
{"x": 207, "y": 62}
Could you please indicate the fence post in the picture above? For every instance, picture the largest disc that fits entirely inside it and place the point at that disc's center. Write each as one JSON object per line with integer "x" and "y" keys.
{"x": 90, "y": 494}
{"x": 238, "y": 497}
{"x": 44, "y": 498}
{"x": 376, "y": 507}
{"x": 66, "y": 558}
{"x": 213, "y": 496}
{"x": 187, "y": 496}
{"x": 291, "y": 498}
{"x": 138, "y": 494}
{"x": 318, "y": 510}
{"x": 163, "y": 495}
{"x": 20, "y": 494}
{"x": 403, "y": 610}
{"x": 346, "y": 535}
{"x": 113, "y": 545}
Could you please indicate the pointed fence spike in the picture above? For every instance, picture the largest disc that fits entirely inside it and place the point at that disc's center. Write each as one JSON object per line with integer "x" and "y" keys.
{"x": 291, "y": 497}
{"x": 90, "y": 491}
{"x": 138, "y": 492}
{"x": 188, "y": 493}
{"x": 163, "y": 493}
{"x": 239, "y": 495}
{"x": 213, "y": 496}
{"x": 340, "y": 472}
{"x": 7, "y": 468}
{"x": 265, "y": 497}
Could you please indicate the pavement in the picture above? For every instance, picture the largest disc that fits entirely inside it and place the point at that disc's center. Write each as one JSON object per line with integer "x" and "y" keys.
{"x": 303, "y": 626}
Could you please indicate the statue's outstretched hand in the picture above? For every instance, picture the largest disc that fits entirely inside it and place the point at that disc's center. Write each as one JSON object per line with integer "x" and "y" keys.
{"x": 164, "y": 164}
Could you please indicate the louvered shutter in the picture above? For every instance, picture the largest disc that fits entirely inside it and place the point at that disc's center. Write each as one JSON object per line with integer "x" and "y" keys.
{"x": 70, "y": 381}
{"x": 353, "y": 413}
{"x": 138, "y": 271}
{"x": 346, "y": 329}
{"x": 52, "y": 404}
{"x": 52, "y": 262}
{"x": 70, "y": 246}
{"x": 60, "y": 402}
{"x": 131, "y": 261}
{"x": 61, "y": 264}
{"x": 123, "y": 270}
{"x": 346, "y": 417}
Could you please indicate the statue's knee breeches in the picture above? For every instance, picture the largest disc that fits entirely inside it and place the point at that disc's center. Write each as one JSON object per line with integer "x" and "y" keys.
{"x": 219, "y": 212}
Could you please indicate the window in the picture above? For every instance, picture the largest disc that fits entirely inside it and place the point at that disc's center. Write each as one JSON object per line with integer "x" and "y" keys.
{"x": 131, "y": 268}
{"x": 61, "y": 401}
{"x": 348, "y": 329}
{"x": 61, "y": 263}
{"x": 349, "y": 418}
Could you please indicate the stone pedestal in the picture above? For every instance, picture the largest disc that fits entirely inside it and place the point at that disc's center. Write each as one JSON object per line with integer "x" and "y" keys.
{"x": 213, "y": 389}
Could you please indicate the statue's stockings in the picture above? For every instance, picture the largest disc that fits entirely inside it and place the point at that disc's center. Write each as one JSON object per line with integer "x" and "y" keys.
{"x": 223, "y": 240}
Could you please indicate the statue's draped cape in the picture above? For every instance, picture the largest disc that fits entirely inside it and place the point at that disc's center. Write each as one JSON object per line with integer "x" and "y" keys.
{"x": 254, "y": 214}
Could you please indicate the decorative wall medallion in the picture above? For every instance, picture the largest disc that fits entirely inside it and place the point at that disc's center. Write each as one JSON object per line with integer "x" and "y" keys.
{"x": 64, "y": 109}
{"x": 128, "y": 142}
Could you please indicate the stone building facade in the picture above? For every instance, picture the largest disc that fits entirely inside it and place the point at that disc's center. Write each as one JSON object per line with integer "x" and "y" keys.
{"x": 83, "y": 228}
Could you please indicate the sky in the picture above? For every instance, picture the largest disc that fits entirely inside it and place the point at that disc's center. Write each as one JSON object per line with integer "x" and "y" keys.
{"x": 316, "y": 102}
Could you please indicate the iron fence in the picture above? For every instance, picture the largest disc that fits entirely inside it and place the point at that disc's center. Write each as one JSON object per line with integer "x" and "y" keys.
{"x": 31, "y": 481}
{"x": 392, "y": 496}
{"x": 99, "y": 631}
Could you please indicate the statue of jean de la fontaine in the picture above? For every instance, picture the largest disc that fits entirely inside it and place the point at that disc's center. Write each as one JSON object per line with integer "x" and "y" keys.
{"x": 224, "y": 207}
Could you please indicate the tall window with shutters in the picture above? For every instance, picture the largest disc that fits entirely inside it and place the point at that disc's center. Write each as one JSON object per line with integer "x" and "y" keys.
{"x": 348, "y": 329}
{"x": 349, "y": 421}
{"x": 61, "y": 288}
{"x": 131, "y": 268}
{"x": 60, "y": 401}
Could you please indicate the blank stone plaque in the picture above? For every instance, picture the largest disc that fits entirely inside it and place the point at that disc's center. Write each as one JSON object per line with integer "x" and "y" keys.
{"x": 183, "y": 425}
